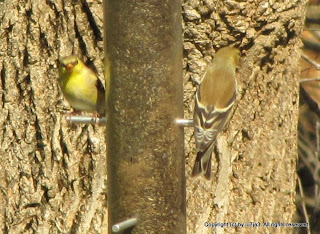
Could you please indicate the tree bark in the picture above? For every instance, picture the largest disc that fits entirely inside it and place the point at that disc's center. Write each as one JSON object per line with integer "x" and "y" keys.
{"x": 53, "y": 175}
{"x": 255, "y": 159}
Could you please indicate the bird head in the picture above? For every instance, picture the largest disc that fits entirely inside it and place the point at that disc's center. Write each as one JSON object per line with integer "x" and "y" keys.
{"x": 229, "y": 54}
{"x": 68, "y": 64}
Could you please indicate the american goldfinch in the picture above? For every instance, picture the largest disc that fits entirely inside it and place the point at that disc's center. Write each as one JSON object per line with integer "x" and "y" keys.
{"x": 214, "y": 101}
{"x": 80, "y": 86}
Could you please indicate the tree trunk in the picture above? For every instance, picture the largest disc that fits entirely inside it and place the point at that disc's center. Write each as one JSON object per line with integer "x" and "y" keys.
{"x": 255, "y": 158}
{"x": 54, "y": 174}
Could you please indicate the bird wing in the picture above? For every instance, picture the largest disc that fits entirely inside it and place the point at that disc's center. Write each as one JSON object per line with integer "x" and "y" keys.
{"x": 209, "y": 121}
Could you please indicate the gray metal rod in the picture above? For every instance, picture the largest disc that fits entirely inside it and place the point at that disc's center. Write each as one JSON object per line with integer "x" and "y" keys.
{"x": 145, "y": 158}
{"x": 86, "y": 120}
{"x": 185, "y": 122}
{"x": 120, "y": 227}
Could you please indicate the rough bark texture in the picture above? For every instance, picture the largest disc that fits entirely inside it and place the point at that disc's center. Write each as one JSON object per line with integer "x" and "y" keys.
{"x": 53, "y": 175}
{"x": 255, "y": 159}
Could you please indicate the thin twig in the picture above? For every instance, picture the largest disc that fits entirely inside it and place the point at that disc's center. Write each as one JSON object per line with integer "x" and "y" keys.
{"x": 315, "y": 175}
{"x": 311, "y": 29}
{"x": 314, "y": 63}
{"x": 310, "y": 45}
{"x": 309, "y": 79}
{"x": 303, "y": 204}
{"x": 312, "y": 103}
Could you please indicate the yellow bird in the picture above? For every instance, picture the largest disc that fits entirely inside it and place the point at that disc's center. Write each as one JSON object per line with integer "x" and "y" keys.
{"x": 80, "y": 86}
{"x": 214, "y": 102}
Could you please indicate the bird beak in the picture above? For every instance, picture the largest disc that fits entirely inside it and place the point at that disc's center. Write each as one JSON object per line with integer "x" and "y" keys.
{"x": 69, "y": 66}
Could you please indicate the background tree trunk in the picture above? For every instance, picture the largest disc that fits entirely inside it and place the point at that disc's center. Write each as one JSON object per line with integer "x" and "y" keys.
{"x": 255, "y": 163}
{"x": 52, "y": 174}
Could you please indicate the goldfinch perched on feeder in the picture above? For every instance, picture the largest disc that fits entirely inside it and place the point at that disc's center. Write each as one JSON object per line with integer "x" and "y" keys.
{"x": 214, "y": 101}
{"x": 80, "y": 86}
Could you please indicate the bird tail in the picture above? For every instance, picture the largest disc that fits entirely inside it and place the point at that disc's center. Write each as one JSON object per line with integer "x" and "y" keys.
{"x": 203, "y": 163}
